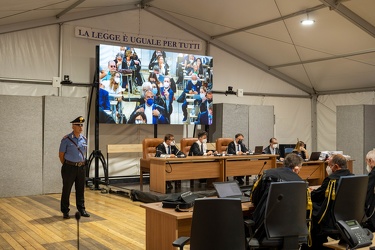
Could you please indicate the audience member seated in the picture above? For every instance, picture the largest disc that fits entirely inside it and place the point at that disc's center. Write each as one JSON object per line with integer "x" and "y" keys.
{"x": 273, "y": 149}
{"x": 205, "y": 118}
{"x": 104, "y": 106}
{"x": 155, "y": 114}
{"x": 112, "y": 69}
{"x": 236, "y": 147}
{"x": 290, "y": 171}
{"x": 192, "y": 87}
{"x": 168, "y": 149}
{"x": 154, "y": 57}
{"x": 301, "y": 150}
{"x": 370, "y": 197}
{"x": 336, "y": 168}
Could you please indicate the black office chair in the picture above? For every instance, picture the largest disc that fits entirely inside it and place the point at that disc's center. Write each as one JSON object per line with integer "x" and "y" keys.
{"x": 217, "y": 223}
{"x": 285, "y": 217}
{"x": 347, "y": 203}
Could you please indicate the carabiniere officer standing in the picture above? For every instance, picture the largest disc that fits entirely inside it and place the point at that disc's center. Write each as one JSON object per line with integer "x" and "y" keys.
{"x": 72, "y": 154}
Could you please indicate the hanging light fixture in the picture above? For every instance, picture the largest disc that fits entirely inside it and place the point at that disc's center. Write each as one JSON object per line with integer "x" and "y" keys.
{"x": 307, "y": 21}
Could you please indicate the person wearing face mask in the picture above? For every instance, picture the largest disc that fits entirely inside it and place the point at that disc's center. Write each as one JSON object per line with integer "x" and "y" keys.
{"x": 273, "y": 149}
{"x": 140, "y": 118}
{"x": 336, "y": 168}
{"x": 155, "y": 114}
{"x": 370, "y": 196}
{"x": 192, "y": 87}
{"x": 168, "y": 149}
{"x": 167, "y": 95}
{"x": 237, "y": 147}
{"x": 199, "y": 148}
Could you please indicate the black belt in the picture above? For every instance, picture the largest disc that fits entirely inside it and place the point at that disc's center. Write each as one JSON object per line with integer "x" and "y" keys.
{"x": 75, "y": 164}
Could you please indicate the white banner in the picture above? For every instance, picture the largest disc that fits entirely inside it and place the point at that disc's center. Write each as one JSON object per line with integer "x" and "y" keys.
{"x": 135, "y": 39}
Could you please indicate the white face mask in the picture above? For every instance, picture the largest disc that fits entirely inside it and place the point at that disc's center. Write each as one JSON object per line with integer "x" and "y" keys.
{"x": 117, "y": 79}
{"x": 166, "y": 85}
{"x": 204, "y": 140}
{"x": 173, "y": 143}
{"x": 138, "y": 122}
{"x": 329, "y": 170}
{"x": 202, "y": 95}
{"x": 274, "y": 146}
{"x": 368, "y": 168}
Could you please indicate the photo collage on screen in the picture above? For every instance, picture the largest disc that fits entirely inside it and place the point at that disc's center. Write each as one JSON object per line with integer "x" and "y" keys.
{"x": 143, "y": 86}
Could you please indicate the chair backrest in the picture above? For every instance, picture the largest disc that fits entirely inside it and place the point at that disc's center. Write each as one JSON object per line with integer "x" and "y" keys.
{"x": 285, "y": 214}
{"x": 217, "y": 224}
{"x": 288, "y": 150}
{"x": 149, "y": 146}
{"x": 350, "y": 198}
{"x": 222, "y": 144}
{"x": 186, "y": 144}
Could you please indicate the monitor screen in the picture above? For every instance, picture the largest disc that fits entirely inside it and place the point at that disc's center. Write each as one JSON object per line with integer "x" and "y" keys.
{"x": 147, "y": 86}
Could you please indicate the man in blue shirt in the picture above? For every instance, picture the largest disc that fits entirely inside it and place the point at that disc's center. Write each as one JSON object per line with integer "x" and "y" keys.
{"x": 72, "y": 154}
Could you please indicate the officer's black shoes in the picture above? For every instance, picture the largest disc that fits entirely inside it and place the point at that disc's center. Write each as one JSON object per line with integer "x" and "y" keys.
{"x": 66, "y": 216}
{"x": 84, "y": 213}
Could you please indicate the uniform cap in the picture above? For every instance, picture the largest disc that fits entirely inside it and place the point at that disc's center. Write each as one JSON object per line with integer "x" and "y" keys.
{"x": 78, "y": 120}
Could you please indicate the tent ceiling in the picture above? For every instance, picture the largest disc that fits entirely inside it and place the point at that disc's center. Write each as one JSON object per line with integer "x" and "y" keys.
{"x": 335, "y": 55}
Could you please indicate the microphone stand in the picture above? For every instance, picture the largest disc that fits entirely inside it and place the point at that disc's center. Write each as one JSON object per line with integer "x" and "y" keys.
{"x": 78, "y": 216}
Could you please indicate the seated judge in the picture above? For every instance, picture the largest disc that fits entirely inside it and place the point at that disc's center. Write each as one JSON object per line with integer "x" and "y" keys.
{"x": 168, "y": 149}
{"x": 301, "y": 150}
{"x": 199, "y": 147}
{"x": 273, "y": 149}
{"x": 236, "y": 147}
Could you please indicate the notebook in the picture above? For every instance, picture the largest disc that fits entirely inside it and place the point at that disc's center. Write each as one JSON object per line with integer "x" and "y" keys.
{"x": 258, "y": 150}
{"x": 314, "y": 156}
{"x": 230, "y": 189}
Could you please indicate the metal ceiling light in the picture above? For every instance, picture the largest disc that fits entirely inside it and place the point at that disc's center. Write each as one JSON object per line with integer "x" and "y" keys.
{"x": 307, "y": 21}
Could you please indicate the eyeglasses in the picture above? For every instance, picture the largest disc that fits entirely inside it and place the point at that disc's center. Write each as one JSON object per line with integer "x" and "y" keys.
{"x": 112, "y": 66}
{"x": 79, "y": 125}
{"x": 149, "y": 97}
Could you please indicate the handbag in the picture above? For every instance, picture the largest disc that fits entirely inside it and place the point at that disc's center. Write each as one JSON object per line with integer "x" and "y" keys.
{"x": 184, "y": 201}
{"x": 181, "y": 98}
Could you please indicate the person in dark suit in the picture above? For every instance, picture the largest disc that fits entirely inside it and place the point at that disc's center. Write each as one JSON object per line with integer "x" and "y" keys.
{"x": 273, "y": 149}
{"x": 206, "y": 116}
{"x": 236, "y": 147}
{"x": 199, "y": 148}
{"x": 155, "y": 114}
{"x": 370, "y": 197}
{"x": 168, "y": 149}
{"x": 292, "y": 166}
{"x": 336, "y": 168}
{"x": 104, "y": 105}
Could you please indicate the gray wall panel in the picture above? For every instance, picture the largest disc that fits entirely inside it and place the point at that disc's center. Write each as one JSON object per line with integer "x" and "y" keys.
{"x": 261, "y": 125}
{"x": 58, "y": 113}
{"x": 21, "y": 146}
{"x": 369, "y": 124}
{"x": 350, "y": 134}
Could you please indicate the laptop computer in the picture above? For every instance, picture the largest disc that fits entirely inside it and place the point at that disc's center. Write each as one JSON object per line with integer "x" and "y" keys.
{"x": 258, "y": 150}
{"x": 314, "y": 156}
{"x": 230, "y": 189}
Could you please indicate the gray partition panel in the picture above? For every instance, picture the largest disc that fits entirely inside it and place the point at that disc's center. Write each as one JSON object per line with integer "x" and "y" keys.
{"x": 261, "y": 125}
{"x": 58, "y": 112}
{"x": 21, "y": 146}
{"x": 350, "y": 134}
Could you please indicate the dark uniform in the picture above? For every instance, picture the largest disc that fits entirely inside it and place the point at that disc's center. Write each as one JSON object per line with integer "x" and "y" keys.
{"x": 73, "y": 154}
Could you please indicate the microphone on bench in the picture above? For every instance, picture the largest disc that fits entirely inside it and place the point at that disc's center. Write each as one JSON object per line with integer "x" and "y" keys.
{"x": 312, "y": 173}
{"x": 182, "y": 155}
